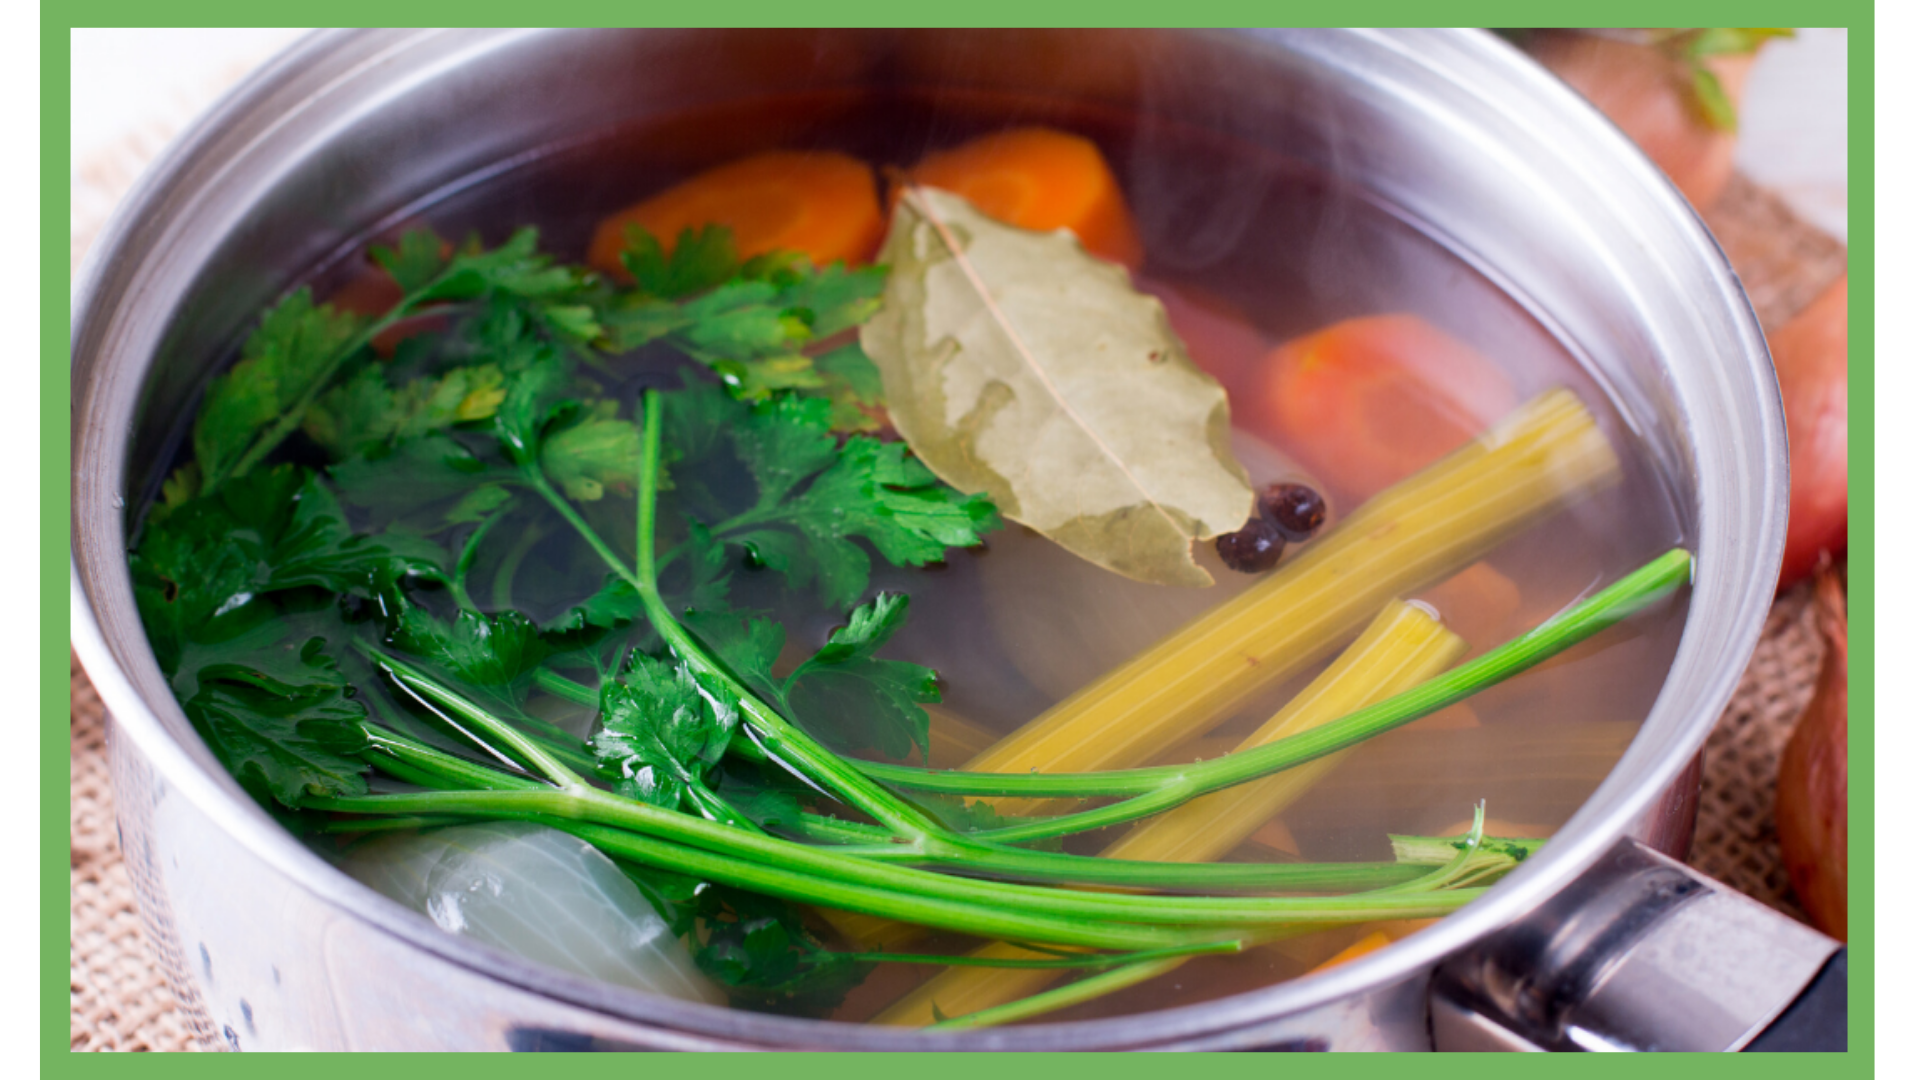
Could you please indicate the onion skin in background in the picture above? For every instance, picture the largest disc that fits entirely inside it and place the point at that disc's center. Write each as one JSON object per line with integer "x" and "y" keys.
{"x": 1648, "y": 94}
{"x": 1810, "y": 810}
{"x": 1810, "y": 356}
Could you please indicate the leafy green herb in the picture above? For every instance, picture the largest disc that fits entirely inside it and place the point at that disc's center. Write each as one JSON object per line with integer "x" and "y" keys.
{"x": 365, "y": 416}
{"x": 282, "y": 719}
{"x": 817, "y": 494}
{"x": 843, "y": 694}
{"x": 762, "y": 952}
{"x": 702, "y": 259}
{"x": 871, "y": 702}
{"x": 270, "y": 531}
{"x": 662, "y": 728}
{"x": 752, "y": 323}
{"x": 597, "y": 451}
{"x": 497, "y": 654}
{"x": 1691, "y": 48}
{"x": 616, "y": 603}
{"x": 284, "y": 363}
{"x": 428, "y": 482}
{"x": 299, "y": 347}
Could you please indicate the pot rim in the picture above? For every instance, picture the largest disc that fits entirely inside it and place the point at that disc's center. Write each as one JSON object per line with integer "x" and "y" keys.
{"x": 1717, "y": 642}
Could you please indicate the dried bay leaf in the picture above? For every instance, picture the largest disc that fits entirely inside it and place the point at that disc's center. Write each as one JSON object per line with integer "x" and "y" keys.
{"x": 1018, "y": 365}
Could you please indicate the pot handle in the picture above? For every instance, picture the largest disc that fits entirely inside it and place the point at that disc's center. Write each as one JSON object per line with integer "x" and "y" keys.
{"x": 1643, "y": 953}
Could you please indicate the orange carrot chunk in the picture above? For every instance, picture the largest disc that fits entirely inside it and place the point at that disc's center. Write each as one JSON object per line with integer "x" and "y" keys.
{"x": 824, "y": 205}
{"x": 1368, "y": 402}
{"x": 1042, "y": 179}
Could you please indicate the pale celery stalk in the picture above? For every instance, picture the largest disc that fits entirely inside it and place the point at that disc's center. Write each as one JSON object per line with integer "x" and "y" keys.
{"x": 1403, "y": 647}
{"x": 1541, "y": 457}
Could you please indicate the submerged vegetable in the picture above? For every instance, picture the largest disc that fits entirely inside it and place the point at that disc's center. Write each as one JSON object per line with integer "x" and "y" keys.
{"x": 823, "y": 204}
{"x": 1040, "y": 179}
{"x": 538, "y": 893}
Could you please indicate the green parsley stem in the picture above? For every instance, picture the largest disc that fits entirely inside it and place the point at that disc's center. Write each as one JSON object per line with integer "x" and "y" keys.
{"x": 458, "y": 584}
{"x": 629, "y": 817}
{"x": 417, "y": 762}
{"x": 392, "y": 824}
{"x": 503, "y": 575}
{"x": 1087, "y": 989}
{"x": 388, "y": 748}
{"x": 1107, "y": 960}
{"x": 525, "y": 746}
{"x": 562, "y": 687}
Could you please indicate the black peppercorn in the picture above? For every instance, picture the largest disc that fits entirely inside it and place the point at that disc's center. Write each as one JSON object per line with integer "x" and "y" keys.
{"x": 1296, "y": 510}
{"x": 1254, "y": 548}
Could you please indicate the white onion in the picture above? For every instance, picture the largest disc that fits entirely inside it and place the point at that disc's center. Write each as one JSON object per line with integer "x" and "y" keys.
{"x": 538, "y": 893}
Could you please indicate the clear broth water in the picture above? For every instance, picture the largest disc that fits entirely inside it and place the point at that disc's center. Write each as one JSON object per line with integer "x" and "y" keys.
{"x": 1017, "y": 625}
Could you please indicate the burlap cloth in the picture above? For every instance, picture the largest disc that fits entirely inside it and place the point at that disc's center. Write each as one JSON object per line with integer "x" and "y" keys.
{"x": 120, "y": 1001}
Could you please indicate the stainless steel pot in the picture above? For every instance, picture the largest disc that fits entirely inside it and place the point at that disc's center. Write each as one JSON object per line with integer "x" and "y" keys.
{"x": 270, "y": 947}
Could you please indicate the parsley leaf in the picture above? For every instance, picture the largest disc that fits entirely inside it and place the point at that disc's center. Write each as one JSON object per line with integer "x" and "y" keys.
{"x": 843, "y": 694}
{"x": 296, "y": 349}
{"x": 419, "y": 257}
{"x": 427, "y": 482}
{"x": 536, "y": 394}
{"x": 662, "y": 728}
{"x": 267, "y": 531}
{"x": 816, "y": 495}
{"x": 760, "y": 949}
{"x": 748, "y": 645}
{"x": 614, "y": 604}
{"x": 318, "y": 549}
{"x": 364, "y": 415}
{"x": 853, "y": 700}
{"x": 300, "y": 345}
{"x": 598, "y": 451}
{"x": 701, "y": 260}
{"x": 495, "y": 655}
{"x": 282, "y": 719}
{"x": 752, "y": 323}
{"x": 560, "y": 296}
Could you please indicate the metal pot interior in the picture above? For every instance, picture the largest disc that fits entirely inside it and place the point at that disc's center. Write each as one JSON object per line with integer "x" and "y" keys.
{"x": 350, "y": 133}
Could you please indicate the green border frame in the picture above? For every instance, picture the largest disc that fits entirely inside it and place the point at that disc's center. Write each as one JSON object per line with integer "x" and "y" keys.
{"x": 55, "y": 471}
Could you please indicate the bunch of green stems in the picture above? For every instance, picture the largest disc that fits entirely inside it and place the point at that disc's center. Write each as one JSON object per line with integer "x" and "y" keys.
{"x": 901, "y": 862}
